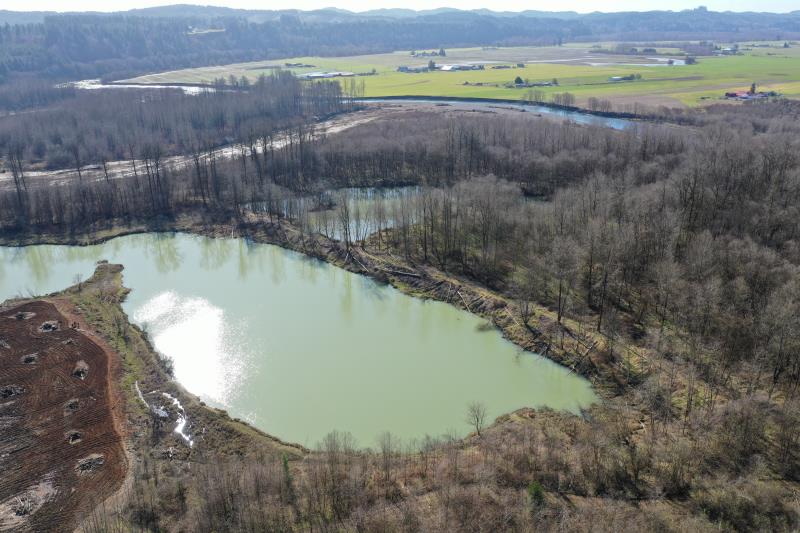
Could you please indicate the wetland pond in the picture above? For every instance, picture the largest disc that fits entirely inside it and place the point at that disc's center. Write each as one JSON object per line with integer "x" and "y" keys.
{"x": 298, "y": 347}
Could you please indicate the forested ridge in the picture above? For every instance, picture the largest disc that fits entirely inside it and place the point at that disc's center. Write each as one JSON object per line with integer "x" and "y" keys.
{"x": 80, "y": 46}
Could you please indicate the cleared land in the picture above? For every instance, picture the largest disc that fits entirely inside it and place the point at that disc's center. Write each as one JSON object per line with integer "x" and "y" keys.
{"x": 579, "y": 70}
{"x": 60, "y": 451}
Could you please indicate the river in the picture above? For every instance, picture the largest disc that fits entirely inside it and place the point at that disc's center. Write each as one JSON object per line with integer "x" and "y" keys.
{"x": 579, "y": 117}
{"x": 298, "y": 347}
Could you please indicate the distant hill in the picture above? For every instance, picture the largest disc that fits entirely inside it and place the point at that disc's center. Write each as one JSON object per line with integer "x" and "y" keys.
{"x": 23, "y": 17}
{"x": 190, "y": 10}
{"x": 88, "y": 45}
{"x": 332, "y": 14}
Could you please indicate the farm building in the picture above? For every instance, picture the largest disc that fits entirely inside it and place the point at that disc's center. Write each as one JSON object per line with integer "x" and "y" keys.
{"x": 324, "y": 75}
{"x": 455, "y": 67}
{"x": 404, "y": 68}
{"x": 748, "y": 95}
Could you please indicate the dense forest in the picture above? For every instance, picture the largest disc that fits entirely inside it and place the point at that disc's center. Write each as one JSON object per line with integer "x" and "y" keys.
{"x": 79, "y": 132}
{"x": 82, "y": 46}
{"x": 674, "y": 247}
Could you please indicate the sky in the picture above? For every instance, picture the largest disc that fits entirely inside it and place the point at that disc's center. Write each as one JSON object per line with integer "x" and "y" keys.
{"x": 582, "y": 6}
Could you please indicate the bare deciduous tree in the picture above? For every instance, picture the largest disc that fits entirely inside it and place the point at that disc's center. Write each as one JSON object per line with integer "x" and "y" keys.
{"x": 476, "y": 416}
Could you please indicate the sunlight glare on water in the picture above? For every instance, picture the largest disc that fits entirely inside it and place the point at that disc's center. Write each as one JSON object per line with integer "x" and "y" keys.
{"x": 202, "y": 346}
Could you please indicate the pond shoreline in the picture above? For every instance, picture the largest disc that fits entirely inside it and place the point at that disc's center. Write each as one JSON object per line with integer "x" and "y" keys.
{"x": 422, "y": 281}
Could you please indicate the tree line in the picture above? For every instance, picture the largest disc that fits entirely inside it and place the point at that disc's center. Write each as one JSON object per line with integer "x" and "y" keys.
{"x": 92, "y": 128}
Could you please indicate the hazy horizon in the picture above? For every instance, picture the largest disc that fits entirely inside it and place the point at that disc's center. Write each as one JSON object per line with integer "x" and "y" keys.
{"x": 774, "y": 6}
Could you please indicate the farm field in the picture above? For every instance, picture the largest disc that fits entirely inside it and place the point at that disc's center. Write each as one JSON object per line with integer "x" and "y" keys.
{"x": 579, "y": 69}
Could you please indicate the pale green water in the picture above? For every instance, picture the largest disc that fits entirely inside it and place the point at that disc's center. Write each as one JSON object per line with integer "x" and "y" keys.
{"x": 298, "y": 347}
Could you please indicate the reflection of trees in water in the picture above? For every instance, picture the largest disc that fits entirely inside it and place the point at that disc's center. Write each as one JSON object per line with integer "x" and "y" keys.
{"x": 309, "y": 268}
{"x": 113, "y": 249}
{"x": 40, "y": 261}
{"x": 252, "y": 258}
{"x": 380, "y": 298}
{"x": 74, "y": 254}
{"x": 366, "y": 210}
{"x": 277, "y": 265}
{"x": 373, "y": 289}
{"x": 161, "y": 247}
{"x": 346, "y": 302}
{"x": 214, "y": 252}
{"x": 244, "y": 259}
{"x": 268, "y": 259}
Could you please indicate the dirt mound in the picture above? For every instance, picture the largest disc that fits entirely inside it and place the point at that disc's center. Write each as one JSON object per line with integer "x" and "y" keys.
{"x": 60, "y": 454}
{"x": 50, "y": 325}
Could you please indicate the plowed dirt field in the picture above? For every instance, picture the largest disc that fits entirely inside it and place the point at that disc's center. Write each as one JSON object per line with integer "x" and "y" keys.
{"x": 60, "y": 450}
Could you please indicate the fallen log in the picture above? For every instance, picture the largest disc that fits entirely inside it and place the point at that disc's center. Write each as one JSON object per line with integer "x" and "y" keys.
{"x": 359, "y": 262}
{"x": 466, "y": 305}
{"x": 399, "y": 273}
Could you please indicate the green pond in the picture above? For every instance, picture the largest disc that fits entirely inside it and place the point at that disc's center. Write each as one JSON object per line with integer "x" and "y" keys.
{"x": 300, "y": 348}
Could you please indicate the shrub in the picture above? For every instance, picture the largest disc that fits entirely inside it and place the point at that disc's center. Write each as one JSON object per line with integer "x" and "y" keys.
{"x": 536, "y": 494}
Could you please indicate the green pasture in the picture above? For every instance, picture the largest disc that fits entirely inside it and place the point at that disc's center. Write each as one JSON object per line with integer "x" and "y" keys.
{"x": 577, "y": 69}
